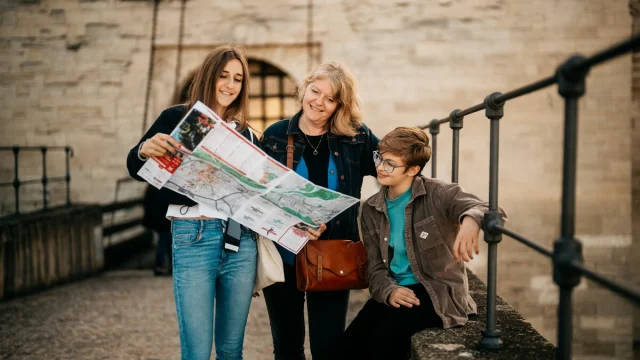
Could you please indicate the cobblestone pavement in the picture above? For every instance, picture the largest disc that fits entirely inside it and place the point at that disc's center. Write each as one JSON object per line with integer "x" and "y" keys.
{"x": 127, "y": 314}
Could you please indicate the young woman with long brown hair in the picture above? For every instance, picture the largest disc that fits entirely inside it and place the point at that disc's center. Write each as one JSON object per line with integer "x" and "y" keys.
{"x": 204, "y": 273}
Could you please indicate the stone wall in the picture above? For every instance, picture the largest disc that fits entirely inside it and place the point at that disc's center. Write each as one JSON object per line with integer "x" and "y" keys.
{"x": 75, "y": 72}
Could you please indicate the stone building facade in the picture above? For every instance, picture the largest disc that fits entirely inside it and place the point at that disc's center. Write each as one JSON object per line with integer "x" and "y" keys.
{"x": 84, "y": 73}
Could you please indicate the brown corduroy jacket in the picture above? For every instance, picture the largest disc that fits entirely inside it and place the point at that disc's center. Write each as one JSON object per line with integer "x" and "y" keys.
{"x": 433, "y": 217}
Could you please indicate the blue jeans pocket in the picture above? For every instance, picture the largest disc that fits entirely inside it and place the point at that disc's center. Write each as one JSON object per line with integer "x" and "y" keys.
{"x": 185, "y": 232}
{"x": 185, "y": 239}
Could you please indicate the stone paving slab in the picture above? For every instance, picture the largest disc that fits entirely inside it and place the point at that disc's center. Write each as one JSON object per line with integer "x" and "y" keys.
{"x": 127, "y": 314}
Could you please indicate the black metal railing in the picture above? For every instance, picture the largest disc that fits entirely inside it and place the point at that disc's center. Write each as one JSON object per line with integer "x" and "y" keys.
{"x": 131, "y": 245}
{"x": 108, "y": 230}
{"x": 44, "y": 180}
{"x": 568, "y": 265}
{"x": 112, "y": 228}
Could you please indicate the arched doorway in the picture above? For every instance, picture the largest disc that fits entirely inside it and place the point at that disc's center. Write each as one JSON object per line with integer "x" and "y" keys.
{"x": 272, "y": 94}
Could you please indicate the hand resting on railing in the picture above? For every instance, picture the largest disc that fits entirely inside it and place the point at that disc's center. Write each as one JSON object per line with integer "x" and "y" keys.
{"x": 467, "y": 240}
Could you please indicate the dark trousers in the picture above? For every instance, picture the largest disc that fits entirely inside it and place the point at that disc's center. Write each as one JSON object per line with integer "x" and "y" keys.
{"x": 327, "y": 312}
{"x": 380, "y": 331}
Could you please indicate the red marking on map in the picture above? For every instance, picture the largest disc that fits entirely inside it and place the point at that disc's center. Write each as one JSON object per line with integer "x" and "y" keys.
{"x": 168, "y": 163}
{"x": 299, "y": 232}
{"x": 269, "y": 231}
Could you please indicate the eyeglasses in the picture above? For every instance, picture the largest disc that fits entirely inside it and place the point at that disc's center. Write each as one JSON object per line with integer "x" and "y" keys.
{"x": 387, "y": 165}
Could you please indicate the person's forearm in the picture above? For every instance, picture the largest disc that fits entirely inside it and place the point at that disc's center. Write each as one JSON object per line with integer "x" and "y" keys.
{"x": 470, "y": 223}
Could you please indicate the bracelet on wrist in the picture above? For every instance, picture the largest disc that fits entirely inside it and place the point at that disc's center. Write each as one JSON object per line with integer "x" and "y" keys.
{"x": 140, "y": 156}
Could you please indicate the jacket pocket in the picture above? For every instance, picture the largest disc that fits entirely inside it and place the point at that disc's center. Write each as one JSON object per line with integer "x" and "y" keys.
{"x": 352, "y": 149}
{"x": 273, "y": 145}
{"x": 275, "y": 148}
{"x": 427, "y": 234}
{"x": 435, "y": 256}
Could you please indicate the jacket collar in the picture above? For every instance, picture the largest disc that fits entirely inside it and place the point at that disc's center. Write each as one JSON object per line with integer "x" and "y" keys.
{"x": 294, "y": 128}
{"x": 418, "y": 188}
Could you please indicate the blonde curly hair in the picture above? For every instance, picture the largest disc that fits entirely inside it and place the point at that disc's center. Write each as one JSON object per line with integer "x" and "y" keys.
{"x": 347, "y": 118}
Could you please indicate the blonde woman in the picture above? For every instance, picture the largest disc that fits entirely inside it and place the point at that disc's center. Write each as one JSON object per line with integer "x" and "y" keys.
{"x": 204, "y": 273}
{"x": 333, "y": 148}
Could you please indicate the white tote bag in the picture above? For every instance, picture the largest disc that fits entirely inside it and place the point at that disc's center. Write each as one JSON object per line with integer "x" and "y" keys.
{"x": 270, "y": 269}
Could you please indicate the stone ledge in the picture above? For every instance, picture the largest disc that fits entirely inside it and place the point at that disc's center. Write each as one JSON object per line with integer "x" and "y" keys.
{"x": 521, "y": 340}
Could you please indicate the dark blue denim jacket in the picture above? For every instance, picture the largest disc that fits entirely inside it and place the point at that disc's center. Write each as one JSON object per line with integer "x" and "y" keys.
{"x": 353, "y": 157}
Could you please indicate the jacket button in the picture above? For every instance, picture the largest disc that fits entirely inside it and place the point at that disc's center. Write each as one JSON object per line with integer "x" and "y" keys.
{"x": 331, "y": 172}
{"x": 341, "y": 177}
{"x": 353, "y": 139}
{"x": 336, "y": 153}
{"x": 385, "y": 239}
{"x": 384, "y": 260}
{"x": 275, "y": 147}
{"x": 338, "y": 222}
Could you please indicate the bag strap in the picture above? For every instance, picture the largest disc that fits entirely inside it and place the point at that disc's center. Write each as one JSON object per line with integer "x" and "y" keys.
{"x": 290, "y": 149}
{"x": 320, "y": 267}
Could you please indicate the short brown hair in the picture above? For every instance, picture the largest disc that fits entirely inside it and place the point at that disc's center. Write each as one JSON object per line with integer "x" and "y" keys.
{"x": 347, "y": 118}
{"x": 203, "y": 87}
{"x": 409, "y": 142}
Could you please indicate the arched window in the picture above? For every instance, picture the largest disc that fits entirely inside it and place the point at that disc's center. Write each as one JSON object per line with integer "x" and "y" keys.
{"x": 272, "y": 95}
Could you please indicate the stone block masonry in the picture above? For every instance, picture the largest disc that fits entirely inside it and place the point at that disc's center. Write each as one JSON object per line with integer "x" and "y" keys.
{"x": 75, "y": 73}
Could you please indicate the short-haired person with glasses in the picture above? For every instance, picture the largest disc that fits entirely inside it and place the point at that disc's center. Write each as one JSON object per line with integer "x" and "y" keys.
{"x": 417, "y": 232}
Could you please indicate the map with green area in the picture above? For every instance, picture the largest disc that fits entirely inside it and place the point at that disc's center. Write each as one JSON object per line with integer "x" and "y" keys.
{"x": 204, "y": 155}
{"x": 311, "y": 203}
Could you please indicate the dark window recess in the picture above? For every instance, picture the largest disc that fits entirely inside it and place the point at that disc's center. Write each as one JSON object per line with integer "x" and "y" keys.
{"x": 272, "y": 95}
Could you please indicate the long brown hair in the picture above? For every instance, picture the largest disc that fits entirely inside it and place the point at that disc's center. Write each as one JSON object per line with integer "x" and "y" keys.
{"x": 347, "y": 117}
{"x": 203, "y": 86}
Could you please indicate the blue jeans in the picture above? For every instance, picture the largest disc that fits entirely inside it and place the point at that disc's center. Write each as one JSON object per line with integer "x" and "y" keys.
{"x": 204, "y": 275}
